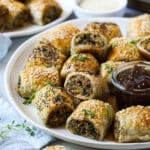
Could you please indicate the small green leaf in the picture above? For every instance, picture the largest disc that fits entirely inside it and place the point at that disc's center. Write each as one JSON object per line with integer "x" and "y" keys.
{"x": 89, "y": 112}
{"x": 80, "y": 58}
{"x": 28, "y": 101}
{"x": 108, "y": 68}
{"x": 109, "y": 115}
{"x": 50, "y": 83}
{"x": 132, "y": 42}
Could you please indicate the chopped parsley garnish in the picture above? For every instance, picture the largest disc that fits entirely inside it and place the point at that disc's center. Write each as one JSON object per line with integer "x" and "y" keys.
{"x": 80, "y": 58}
{"x": 28, "y": 101}
{"x": 108, "y": 68}
{"x": 89, "y": 112}
{"x": 108, "y": 112}
{"x": 50, "y": 83}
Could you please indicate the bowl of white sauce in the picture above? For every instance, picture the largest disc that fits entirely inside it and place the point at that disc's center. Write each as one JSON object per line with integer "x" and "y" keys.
{"x": 99, "y": 8}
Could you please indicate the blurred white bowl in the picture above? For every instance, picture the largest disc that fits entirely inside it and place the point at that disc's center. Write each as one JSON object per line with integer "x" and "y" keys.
{"x": 84, "y": 13}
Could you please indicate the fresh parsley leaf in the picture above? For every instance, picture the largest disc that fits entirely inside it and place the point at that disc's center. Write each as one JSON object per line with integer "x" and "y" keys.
{"x": 89, "y": 112}
{"x": 28, "y": 101}
{"x": 108, "y": 112}
{"x": 80, "y": 58}
{"x": 50, "y": 83}
{"x": 132, "y": 42}
{"x": 108, "y": 68}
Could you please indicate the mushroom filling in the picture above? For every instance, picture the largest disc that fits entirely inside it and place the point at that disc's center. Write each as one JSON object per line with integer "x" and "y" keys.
{"x": 84, "y": 128}
{"x": 79, "y": 85}
{"x": 58, "y": 116}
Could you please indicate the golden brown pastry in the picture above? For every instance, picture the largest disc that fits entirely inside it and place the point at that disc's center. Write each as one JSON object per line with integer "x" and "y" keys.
{"x": 46, "y": 55}
{"x": 80, "y": 63}
{"x": 139, "y": 26}
{"x": 107, "y": 68}
{"x": 54, "y": 105}
{"x": 18, "y": 13}
{"x": 133, "y": 124}
{"x": 57, "y": 147}
{"x": 91, "y": 119}
{"x": 108, "y": 29}
{"x": 85, "y": 86}
{"x": 90, "y": 42}
{"x": 44, "y": 11}
{"x": 123, "y": 49}
{"x": 61, "y": 37}
{"x": 34, "y": 78}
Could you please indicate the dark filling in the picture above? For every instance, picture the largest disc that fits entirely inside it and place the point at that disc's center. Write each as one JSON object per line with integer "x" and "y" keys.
{"x": 84, "y": 128}
{"x": 146, "y": 44}
{"x": 58, "y": 116}
{"x": 135, "y": 78}
{"x": 79, "y": 85}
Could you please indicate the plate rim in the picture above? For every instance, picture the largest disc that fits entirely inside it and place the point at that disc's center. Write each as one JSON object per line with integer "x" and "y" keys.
{"x": 7, "y": 74}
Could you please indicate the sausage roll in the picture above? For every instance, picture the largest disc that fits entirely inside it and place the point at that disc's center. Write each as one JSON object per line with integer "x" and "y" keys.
{"x": 91, "y": 119}
{"x": 57, "y": 147}
{"x": 18, "y": 13}
{"x": 80, "y": 63}
{"x": 108, "y": 29}
{"x": 3, "y": 17}
{"x": 133, "y": 124}
{"x": 34, "y": 78}
{"x": 107, "y": 68}
{"x": 90, "y": 42}
{"x": 139, "y": 26}
{"x": 54, "y": 105}
{"x": 123, "y": 49}
{"x": 46, "y": 55}
{"x": 61, "y": 37}
{"x": 85, "y": 86}
{"x": 44, "y": 11}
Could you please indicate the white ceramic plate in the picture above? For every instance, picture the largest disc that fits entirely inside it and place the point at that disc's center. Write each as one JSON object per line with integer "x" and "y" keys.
{"x": 17, "y": 63}
{"x": 33, "y": 28}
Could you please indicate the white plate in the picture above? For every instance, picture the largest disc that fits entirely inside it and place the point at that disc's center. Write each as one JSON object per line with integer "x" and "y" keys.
{"x": 33, "y": 28}
{"x": 17, "y": 63}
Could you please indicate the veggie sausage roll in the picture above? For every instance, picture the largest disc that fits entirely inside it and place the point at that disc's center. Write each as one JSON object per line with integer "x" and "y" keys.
{"x": 85, "y": 86}
{"x": 107, "y": 68}
{"x": 108, "y": 29}
{"x": 90, "y": 42}
{"x": 34, "y": 78}
{"x": 122, "y": 49}
{"x": 46, "y": 55}
{"x": 61, "y": 37}
{"x": 133, "y": 124}
{"x": 54, "y": 105}
{"x": 91, "y": 119}
{"x": 80, "y": 62}
{"x": 44, "y": 11}
{"x": 3, "y": 17}
{"x": 18, "y": 13}
{"x": 139, "y": 26}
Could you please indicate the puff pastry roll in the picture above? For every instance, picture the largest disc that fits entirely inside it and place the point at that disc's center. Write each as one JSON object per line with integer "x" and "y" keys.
{"x": 85, "y": 86}
{"x": 107, "y": 68}
{"x": 90, "y": 42}
{"x": 34, "y": 78}
{"x": 18, "y": 13}
{"x": 54, "y": 105}
{"x": 139, "y": 26}
{"x": 3, "y": 17}
{"x": 133, "y": 124}
{"x": 91, "y": 119}
{"x": 57, "y": 147}
{"x": 46, "y": 55}
{"x": 80, "y": 63}
{"x": 61, "y": 37}
{"x": 123, "y": 49}
{"x": 108, "y": 29}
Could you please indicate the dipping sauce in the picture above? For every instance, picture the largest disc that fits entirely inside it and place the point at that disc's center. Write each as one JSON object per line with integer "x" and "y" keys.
{"x": 100, "y": 5}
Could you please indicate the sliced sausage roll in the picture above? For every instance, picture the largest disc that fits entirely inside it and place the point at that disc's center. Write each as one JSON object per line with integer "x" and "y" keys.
{"x": 54, "y": 105}
{"x": 123, "y": 49}
{"x": 46, "y": 55}
{"x": 61, "y": 37}
{"x": 107, "y": 68}
{"x": 56, "y": 147}
{"x": 139, "y": 26}
{"x": 80, "y": 63}
{"x": 18, "y": 13}
{"x": 91, "y": 119}
{"x": 108, "y": 29}
{"x": 44, "y": 11}
{"x": 90, "y": 42}
{"x": 133, "y": 124}
{"x": 3, "y": 17}
{"x": 85, "y": 86}
{"x": 34, "y": 78}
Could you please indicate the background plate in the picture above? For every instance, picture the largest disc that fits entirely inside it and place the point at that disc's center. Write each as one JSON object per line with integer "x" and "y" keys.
{"x": 67, "y": 7}
{"x": 16, "y": 64}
